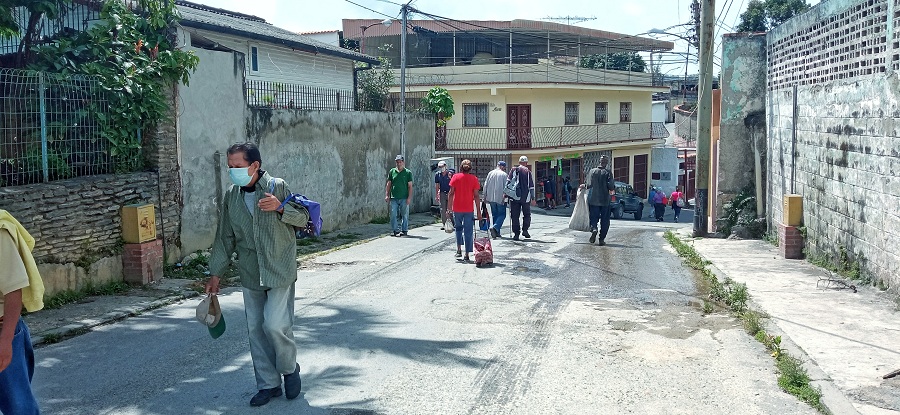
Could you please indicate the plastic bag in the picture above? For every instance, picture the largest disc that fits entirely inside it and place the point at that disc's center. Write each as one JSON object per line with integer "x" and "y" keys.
{"x": 581, "y": 215}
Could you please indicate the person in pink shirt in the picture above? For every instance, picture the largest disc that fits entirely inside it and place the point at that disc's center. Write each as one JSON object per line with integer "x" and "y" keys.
{"x": 463, "y": 197}
{"x": 677, "y": 201}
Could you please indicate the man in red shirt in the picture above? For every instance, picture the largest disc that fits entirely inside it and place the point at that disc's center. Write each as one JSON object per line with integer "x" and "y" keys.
{"x": 464, "y": 198}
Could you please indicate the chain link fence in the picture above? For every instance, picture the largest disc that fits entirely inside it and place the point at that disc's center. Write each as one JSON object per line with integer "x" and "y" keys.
{"x": 51, "y": 129}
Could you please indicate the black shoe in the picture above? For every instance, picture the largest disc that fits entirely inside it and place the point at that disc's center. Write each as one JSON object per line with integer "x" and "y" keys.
{"x": 525, "y": 234}
{"x": 395, "y": 233}
{"x": 601, "y": 243}
{"x": 264, "y": 395}
{"x": 403, "y": 233}
{"x": 292, "y": 384}
{"x": 494, "y": 233}
{"x": 593, "y": 235}
{"x": 516, "y": 237}
{"x": 458, "y": 253}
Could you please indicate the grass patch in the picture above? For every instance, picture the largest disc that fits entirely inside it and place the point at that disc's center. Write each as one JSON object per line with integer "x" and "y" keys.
{"x": 347, "y": 236}
{"x": 792, "y": 377}
{"x": 842, "y": 264}
{"x": 380, "y": 220}
{"x": 794, "y": 380}
{"x": 196, "y": 268}
{"x": 307, "y": 241}
{"x": 74, "y": 296}
{"x": 51, "y": 338}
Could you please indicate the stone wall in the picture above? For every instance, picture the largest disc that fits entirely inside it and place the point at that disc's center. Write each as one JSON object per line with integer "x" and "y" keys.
{"x": 742, "y": 130}
{"x": 78, "y": 220}
{"x": 834, "y": 131}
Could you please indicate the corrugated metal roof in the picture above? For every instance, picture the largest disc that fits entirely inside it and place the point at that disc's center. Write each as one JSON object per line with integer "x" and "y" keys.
{"x": 538, "y": 30}
{"x": 210, "y": 18}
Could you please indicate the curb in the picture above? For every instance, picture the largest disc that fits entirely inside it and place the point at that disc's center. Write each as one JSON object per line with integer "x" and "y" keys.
{"x": 84, "y": 326}
{"x": 833, "y": 399}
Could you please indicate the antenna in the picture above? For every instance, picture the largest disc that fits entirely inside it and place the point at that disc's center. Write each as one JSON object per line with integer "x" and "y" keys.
{"x": 570, "y": 19}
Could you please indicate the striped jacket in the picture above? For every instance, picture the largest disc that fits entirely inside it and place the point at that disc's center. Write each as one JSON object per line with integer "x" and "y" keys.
{"x": 265, "y": 242}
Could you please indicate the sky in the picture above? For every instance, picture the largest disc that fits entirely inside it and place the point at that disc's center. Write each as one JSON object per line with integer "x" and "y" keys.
{"x": 628, "y": 17}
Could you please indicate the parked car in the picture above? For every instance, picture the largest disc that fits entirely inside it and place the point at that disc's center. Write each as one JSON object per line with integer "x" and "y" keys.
{"x": 625, "y": 200}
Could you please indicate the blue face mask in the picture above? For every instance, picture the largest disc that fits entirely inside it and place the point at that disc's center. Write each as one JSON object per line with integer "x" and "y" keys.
{"x": 240, "y": 176}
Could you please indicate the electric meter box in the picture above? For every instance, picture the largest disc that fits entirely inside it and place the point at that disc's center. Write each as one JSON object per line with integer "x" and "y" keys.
{"x": 793, "y": 210}
{"x": 138, "y": 223}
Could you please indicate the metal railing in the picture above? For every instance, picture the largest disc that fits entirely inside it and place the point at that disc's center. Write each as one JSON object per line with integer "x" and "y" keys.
{"x": 51, "y": 128}
{"x": 268, "y": 94}
{"x": 457, "y": 139}
{"x": 76, "y": 16}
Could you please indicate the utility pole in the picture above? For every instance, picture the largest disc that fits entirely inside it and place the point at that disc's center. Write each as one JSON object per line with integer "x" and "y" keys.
{"x": 405, "y": 12}
{"x": 704, "y": 116}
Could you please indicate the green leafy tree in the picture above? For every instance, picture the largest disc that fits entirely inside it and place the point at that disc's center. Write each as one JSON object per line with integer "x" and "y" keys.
{"x": 765, "y": 15}
{"x": 133, "y": 55}
{"x": 439, "y": 102}
{"x": 620, "y": 61}
{"x": 375, "y": 83}
{"x": 35, "y": 10}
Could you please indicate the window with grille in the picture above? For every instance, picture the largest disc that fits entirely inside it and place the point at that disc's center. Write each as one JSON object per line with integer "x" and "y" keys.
{"x": 601, "y": 112}
{"x": 624, "y": 112}
{"x": 475, "y": 115}
{"x": 254, "y": 59}
{"x": 571, "y": 113}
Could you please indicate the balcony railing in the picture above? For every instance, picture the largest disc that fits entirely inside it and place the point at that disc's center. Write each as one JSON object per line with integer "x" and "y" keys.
{"x": 546, "y": 137}
{"x": 520, "y": 73}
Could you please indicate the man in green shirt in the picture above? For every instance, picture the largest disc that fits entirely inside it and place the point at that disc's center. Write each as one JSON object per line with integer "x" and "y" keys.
{"x": 398, "y": 192}
{"x": 254, "y": 225}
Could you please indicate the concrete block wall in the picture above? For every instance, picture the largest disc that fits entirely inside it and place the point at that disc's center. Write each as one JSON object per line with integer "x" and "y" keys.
{"x": 742, "y": 130}
{"x": 686, "y": 124}
{"x": 844, "y": 111}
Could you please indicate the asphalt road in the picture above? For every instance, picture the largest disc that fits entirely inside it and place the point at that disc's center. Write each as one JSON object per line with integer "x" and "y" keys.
{"x": 398, "y": 326}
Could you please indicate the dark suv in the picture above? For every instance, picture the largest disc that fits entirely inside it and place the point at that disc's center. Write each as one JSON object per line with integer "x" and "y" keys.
{"x": 626, "y": 201}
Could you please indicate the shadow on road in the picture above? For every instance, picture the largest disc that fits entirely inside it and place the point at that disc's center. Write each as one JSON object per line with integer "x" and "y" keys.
{"x": 326, "y": 326}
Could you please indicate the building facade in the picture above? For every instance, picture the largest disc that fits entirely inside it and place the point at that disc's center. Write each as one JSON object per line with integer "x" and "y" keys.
{"x": 518, "y": 89}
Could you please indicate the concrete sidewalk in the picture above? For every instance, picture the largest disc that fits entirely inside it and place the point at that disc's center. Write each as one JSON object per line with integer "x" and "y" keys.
{"x": 847, "y": 340}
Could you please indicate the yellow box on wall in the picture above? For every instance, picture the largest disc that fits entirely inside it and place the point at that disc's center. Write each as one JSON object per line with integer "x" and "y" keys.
{"x": 793, "y": 210}
{"x": 138, "y": 223}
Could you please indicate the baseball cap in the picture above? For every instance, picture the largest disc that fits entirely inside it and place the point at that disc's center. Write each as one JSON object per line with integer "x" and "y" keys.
{"x": 523, "y": 159}
{"x": 398, "y": 158}
{"x": 501, "y": 163}
{"x": 210, "y": 314}
{"x": 442, "y": 163}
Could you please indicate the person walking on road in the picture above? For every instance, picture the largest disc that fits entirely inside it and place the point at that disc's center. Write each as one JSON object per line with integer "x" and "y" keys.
{"x": 659, "y": 204}
{"x": 255, "y": 225}
{"x": 493, "y": 195}
{"x": 398, "y": 192}
{"x": 567, "y": 187}
{"x": 550, "y": 192}
{"x": 601, "y": 183}
{"x": 677, "y": 198}
{"x": 442, "y": 189}
{"x": 524, "y": 196}
{"x": 464, "y": 200}
{"x": 20, "y": 285}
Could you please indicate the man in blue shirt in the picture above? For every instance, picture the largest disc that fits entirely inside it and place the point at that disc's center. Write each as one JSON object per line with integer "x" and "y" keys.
{"x": 442, "y": 189}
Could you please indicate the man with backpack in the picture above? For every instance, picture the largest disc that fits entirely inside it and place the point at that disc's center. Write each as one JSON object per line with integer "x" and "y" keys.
{"x": 256, "y": 225}
{"x": 493, "y": 195}
{"x": 523, "y": 183}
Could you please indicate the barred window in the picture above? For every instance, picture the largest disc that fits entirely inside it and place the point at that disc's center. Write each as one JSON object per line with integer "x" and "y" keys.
{"x": 571, "y": 113}
{"x": 601, "y": 112}
{"x": 475, "y": 115}
{"x": 625, "y": 112}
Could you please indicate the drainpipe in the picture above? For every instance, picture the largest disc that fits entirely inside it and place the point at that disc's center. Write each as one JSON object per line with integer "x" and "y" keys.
{"x": 756, "y": 123}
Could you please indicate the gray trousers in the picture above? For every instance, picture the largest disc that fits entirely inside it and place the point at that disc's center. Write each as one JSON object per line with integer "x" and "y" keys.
{"x": 270, "y": 323}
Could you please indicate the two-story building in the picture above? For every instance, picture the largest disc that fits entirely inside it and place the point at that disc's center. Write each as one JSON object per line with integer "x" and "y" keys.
{"x": 518, "y": 89}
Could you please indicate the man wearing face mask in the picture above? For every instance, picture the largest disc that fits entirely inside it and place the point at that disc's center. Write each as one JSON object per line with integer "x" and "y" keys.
{"x": 254, "y": 225}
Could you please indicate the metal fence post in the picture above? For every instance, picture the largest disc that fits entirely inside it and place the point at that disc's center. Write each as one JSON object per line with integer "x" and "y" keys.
{"x": 41, "y": 95}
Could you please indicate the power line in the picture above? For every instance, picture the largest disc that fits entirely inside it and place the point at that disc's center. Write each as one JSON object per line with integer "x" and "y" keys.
{"x": 371, "y": 10}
